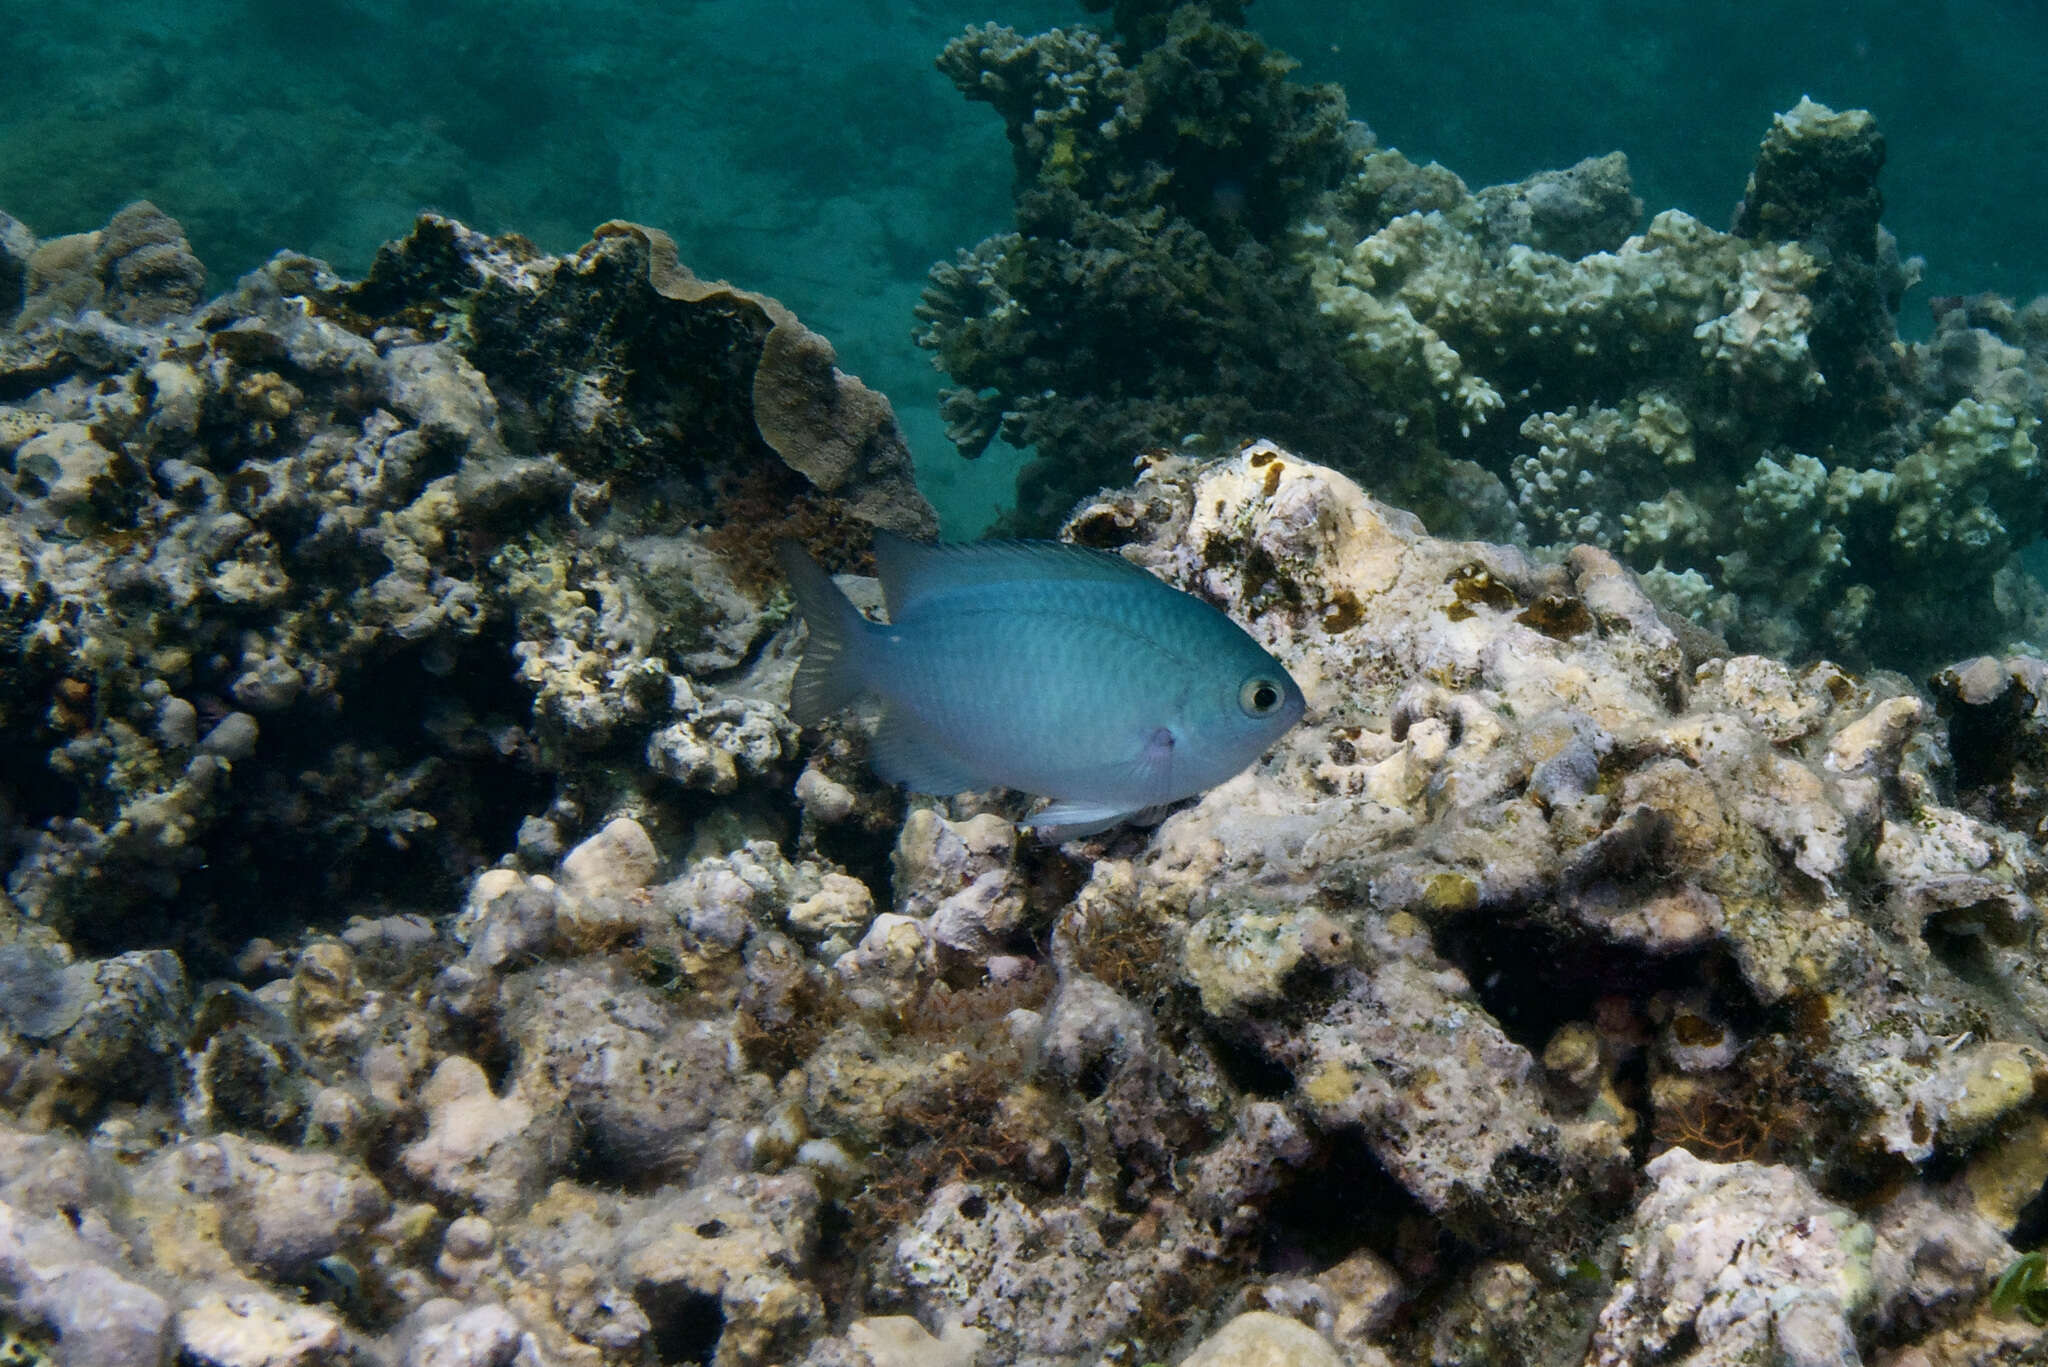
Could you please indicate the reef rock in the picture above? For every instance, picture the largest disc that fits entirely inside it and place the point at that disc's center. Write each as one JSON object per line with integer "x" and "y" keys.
{"x": 558, "y": 1001}
{"x": 237, "y": 531}
{"x": 1556, "y": 952}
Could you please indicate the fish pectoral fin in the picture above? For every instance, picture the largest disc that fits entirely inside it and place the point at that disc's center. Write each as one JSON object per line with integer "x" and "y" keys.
{"x": 1072, "y": 820}
{"x": 903, "y": 754}
{"x": 1151, "y": 773}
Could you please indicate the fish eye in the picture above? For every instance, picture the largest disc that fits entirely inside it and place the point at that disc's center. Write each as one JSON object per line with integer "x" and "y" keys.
{"x": 1259, "y": 696}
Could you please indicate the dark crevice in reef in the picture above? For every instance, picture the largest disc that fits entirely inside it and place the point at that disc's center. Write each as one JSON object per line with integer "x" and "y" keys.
{"x": 2032, "y": 1229}
{"x": 863, "y": 857}
{"x": 687, "y": 1325}
{"x": 319, "y": 790}
{"x": 1344, "y": 1201}
{"x": 1577, "y": 971}
{"x": 29, "y": 679}
{"x": 594, "y": 1162}
{"x": 32, "y": 791}
{"x": 1957, "y": 938}
{"x": 1985, "y": 740}
{"x": 1247, "y": 1065}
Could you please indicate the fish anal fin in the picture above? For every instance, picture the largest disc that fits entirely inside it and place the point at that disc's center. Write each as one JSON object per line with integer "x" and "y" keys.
{"x": 1072, "y": 820}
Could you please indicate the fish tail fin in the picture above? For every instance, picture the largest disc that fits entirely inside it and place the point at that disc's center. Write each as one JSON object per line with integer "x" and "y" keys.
{"x": 830, "y": 676}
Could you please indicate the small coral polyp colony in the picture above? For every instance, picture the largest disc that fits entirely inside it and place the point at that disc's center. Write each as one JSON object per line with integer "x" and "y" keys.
{"x": 1733, "y": 413}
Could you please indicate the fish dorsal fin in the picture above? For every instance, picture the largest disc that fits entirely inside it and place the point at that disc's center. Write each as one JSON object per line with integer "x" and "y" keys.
{"x": 913, "y": 570}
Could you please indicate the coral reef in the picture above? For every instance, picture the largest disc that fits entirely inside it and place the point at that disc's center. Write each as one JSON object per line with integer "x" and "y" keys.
{"x": 1732, "y": 413}
{"x": 1556, "y": 953}
{"x": 429, "y": 941}
{"x": 325, "y": 567}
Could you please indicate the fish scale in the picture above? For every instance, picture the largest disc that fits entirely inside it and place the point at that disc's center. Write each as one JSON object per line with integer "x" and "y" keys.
{"x": 984, "y": 675}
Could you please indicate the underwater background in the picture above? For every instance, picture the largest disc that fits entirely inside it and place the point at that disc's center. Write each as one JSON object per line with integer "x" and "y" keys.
{"x": 811, "y": 151}
{"x": 443, "y": 924}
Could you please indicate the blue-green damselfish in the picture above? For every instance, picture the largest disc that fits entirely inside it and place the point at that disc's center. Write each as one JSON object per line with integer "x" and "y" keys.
{"x": 1052, "y": 669}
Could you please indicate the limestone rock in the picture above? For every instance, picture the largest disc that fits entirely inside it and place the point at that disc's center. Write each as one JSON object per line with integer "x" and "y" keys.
{"x": 1259, "y": 1338}
{"x": 251, "y": 1329}
{"x": 481, "y": 1149}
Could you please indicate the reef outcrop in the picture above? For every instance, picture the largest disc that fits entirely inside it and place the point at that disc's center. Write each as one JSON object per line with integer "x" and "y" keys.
{"x": 1733, "y": 414}
{"x": 329, "y": 566}
{"x": 1558, "y": 952}
{"x": 1145, "y": 293}
{"x": 427, "y": 940}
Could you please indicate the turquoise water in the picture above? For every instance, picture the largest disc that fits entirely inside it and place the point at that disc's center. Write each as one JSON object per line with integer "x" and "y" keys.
{"x": 810, "y": 150}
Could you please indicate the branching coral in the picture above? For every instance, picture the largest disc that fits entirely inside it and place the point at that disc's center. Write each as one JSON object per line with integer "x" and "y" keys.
{"x": 1142, "y": 298}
